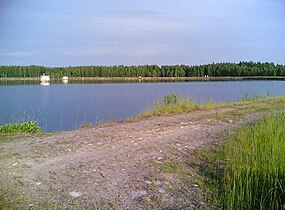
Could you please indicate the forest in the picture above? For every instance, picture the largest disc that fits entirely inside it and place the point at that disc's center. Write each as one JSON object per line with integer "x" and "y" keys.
{"x": 241, "y": 69}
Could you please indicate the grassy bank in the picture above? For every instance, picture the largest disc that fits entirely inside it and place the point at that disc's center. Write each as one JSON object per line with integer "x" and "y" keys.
{"x": 173, "y": 104}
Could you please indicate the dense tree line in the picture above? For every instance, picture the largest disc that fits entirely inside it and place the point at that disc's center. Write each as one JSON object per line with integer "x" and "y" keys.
{"x": 213, "y": 70}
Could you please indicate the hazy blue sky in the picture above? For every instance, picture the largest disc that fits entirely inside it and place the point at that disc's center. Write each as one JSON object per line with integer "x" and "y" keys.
{"x": 133, "y": 32}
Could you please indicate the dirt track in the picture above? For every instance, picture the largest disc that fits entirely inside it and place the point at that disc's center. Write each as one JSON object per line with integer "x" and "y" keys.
{"x": 113, "y": 165}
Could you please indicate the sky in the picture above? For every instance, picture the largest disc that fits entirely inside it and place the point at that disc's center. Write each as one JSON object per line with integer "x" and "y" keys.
{"x": 139, "y": 32}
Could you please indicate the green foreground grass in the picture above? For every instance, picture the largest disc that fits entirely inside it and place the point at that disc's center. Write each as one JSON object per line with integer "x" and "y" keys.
{"x": 254, "y": 176}
{"x": 247, "y": 171}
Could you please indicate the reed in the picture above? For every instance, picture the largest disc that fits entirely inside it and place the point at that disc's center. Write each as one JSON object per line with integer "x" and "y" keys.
{"x": 255, "y": 166}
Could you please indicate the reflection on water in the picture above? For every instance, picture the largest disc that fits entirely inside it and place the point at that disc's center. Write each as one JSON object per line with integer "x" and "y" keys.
{"x": 60, "y": 106}
{"x": 45, "y": 83}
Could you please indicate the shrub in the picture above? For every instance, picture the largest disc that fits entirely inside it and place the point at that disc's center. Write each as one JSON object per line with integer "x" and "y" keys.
{"x": 26, "y": 127}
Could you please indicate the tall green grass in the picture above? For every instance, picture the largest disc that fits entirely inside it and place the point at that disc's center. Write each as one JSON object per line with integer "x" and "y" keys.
{"x": 26, "y": 127}
{"x": 255, "y": 166}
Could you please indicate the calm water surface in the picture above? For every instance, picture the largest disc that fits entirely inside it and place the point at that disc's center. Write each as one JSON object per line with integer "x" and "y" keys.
{"x": 68, "y": 106}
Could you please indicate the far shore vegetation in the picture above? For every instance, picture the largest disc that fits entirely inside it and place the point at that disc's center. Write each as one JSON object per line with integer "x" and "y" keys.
{"x": 231, "y": 70}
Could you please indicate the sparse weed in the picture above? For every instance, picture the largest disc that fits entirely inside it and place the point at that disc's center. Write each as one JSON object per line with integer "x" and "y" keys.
{"x": 172, "y": 166}
{"x": 87, "y": 125}
{"x": 254, "y": 97}
{"x": 173, "y": 104}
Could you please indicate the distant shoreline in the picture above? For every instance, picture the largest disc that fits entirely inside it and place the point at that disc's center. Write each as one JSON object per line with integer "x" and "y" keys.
{"x": 151, "y": 78}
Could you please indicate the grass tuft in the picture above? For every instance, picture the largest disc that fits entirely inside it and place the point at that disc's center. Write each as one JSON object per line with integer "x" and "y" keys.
{"x": 26, "y": 127}
{"x": 173, "y": 104}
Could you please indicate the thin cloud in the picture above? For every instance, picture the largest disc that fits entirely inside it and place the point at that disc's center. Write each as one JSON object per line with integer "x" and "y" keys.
{"x": 135, "y": 13}
{"x": 13, "y": 53}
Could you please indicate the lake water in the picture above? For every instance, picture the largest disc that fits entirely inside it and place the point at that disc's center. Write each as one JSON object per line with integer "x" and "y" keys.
{"x": 59, "y": 106}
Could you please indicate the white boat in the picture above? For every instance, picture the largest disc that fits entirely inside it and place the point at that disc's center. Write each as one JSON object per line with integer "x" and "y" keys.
{"x": 65, "y": 78}
{"x": 45, "y": 78}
